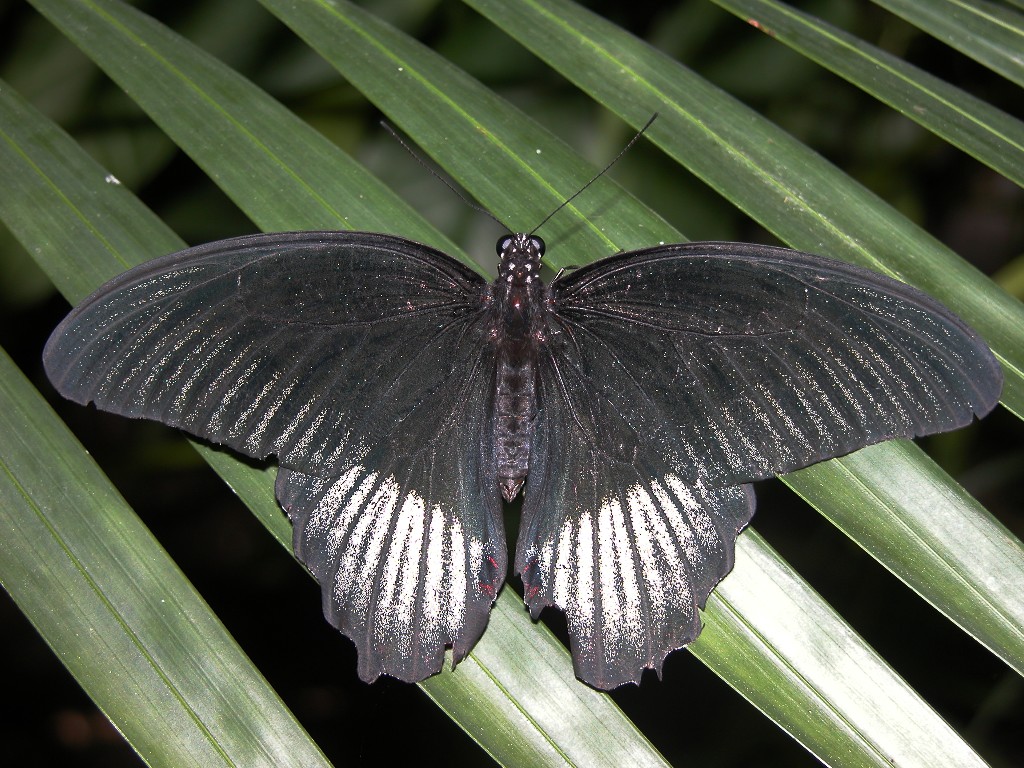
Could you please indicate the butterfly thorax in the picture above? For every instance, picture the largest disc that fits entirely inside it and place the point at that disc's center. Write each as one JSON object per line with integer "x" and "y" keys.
{"x": 519, "y": 307}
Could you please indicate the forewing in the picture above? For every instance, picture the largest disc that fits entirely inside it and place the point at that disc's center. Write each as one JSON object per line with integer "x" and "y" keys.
{"x": 315, "y": 346}
{"x": 629, "y": 550}
{"x": 743, "y": 361}
{"x": 408, "y": 547}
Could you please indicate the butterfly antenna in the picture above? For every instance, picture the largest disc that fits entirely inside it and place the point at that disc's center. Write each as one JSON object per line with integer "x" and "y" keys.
{"x": 599, "y": 174}
{"x": 438, "y": 176}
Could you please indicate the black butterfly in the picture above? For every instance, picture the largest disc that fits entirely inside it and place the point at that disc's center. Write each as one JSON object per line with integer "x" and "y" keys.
{"x": 404, "y": 395}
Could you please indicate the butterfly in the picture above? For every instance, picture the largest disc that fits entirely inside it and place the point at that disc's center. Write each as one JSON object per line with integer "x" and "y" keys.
{"x": 631, "y": 401}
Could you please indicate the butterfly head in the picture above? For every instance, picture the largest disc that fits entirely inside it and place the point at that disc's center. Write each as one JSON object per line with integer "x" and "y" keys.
{"x": 520, "y": 256}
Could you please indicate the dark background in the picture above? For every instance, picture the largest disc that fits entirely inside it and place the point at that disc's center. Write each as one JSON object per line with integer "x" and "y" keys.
{"x": 266, "y": 600}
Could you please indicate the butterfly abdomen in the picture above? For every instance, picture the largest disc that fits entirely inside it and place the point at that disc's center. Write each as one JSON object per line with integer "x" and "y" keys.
{"x": 515, "y": 413}
{"x": 518, "y": 293}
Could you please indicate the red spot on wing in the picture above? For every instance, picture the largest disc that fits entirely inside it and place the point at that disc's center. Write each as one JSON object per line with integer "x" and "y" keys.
{"x": 531, "y": 580}
{"x": 489, "y": 588}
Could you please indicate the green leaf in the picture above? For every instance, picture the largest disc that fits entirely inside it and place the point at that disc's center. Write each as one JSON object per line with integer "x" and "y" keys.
{"x": 528, "y": 172}
{"x": 94, "y": 582}
{"x": 989, "y": 33}
{"x": 933, "y": 536}
{"x": 973, "y": 125}
{"x": 861, "y": 712}
{"x": 79, "y": 564}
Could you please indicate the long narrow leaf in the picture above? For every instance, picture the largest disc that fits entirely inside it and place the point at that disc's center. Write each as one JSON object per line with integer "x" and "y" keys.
{"x": 877, "y": 717}
{"x": 988, "y": 32}
{"x": 973, "y": 125}
{"x": 100, "y": 590}
{"x": 935, "y": 538}
{"x": 98, "y": 587}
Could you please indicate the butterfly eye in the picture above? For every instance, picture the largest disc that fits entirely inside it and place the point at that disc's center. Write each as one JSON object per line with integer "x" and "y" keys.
{"x": 537, "y": 244}
{"x": 503, "y": 244}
